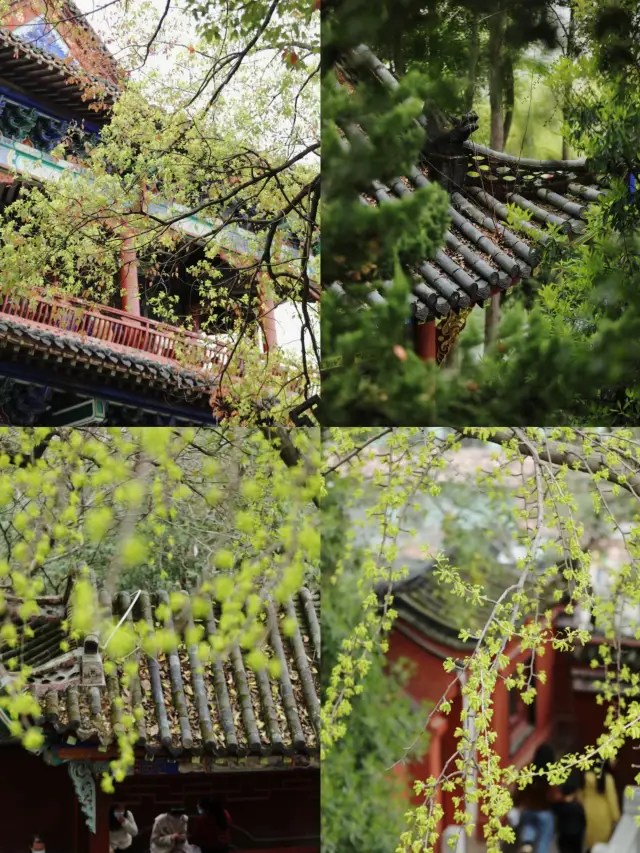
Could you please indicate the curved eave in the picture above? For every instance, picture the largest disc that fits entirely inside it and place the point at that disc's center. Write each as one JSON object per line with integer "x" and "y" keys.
{"x": 481, "y": 254}
{"x": 97, "y": 43}
{"x": 64, "y": 86}
{"x": 266, "y": 757}
{"x": 26, "y": 350}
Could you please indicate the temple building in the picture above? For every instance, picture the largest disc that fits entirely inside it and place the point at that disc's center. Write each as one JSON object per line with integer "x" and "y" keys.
{"x": 68, "y": 361}
{"x": 482, "y": 255}
{"x": 215, "y": 728}
{"x": 565, "y": 711}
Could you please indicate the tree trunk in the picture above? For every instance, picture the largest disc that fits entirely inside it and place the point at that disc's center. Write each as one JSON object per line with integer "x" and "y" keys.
{"x": 509, "y": 97}
{"x": 491, "y": 320}
{"x": 497, "y": 25}
{"x": 569, "y": 53}
{"x": 474, "y": 56}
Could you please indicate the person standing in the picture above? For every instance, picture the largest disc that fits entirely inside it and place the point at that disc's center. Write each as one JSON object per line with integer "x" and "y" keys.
{"x": 600, "y": 800}
{"x": 537, "y": 821}
{"x": 122, "y": 827}
{"x": 169, "y": 833}
{"x": 211, "y": 830}
{"x": 571, "y": 819}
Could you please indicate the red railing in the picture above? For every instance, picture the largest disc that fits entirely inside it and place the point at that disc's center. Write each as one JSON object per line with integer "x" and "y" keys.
{"x": 120, "y": 330}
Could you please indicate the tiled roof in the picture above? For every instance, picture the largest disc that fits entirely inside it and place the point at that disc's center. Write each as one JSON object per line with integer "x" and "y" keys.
{"x": 481, "y": 254}
{"x": 70, "y": 351}
{"x": 63, "y": 84}
{"x": 430, "y": 607}
{"x": 96, "y": 40}
{"x": 223, "y": 709}
{"x": 428, "y": 604}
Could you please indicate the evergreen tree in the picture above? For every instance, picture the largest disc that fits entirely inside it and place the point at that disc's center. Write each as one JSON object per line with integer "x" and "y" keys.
{"x": 572, "y": 357}
{"x": 363, "y": 804}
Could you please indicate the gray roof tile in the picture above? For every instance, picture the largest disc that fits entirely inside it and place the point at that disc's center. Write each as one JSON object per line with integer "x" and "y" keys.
{"x": 21, "y": 335}
{"x": 222, "y": 708}
{"x": 481, "y": 253}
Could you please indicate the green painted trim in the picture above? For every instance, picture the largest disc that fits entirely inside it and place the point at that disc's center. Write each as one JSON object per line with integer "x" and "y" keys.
{"x": 15, "y": 157}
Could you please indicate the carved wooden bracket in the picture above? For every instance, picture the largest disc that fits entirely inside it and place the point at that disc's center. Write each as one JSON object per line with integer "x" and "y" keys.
{"x": 84, "y": 784}
{"x": 447, "y": 331}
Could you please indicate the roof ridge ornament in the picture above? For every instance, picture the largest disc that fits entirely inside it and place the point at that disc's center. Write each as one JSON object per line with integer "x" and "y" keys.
{"x": 446, "y": 133}
{"x": 580, "y": 164}
{"x": 91, "y": 665}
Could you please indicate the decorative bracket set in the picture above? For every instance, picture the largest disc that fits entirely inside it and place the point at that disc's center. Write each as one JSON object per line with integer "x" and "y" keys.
{"x": 25, "y": 123}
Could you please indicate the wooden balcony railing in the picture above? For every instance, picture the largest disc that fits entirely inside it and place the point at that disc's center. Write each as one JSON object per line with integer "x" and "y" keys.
{"x": 120, "y": 330}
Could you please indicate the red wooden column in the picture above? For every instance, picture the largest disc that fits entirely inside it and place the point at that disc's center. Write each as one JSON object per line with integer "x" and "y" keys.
{"x": 129, "y": 278}
{"x": 99, "y": 841}
{"x": 438, "y": 725}
{"x": 268, "y": 319}
{"x": 195, "y": 314}
{"x": 426, "y": 340}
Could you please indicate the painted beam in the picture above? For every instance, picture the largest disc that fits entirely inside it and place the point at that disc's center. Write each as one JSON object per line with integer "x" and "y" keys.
{"x": 23, "y": 100}
{"x": 24, "y": 160}
{"x": 87, "y": 388}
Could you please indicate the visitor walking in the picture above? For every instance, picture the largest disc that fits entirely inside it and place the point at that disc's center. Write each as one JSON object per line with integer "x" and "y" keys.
{"x": 122, "y": 827}
{"x": 211, "y": 830}
{"x": 571, "y": 819}
{"x": 600, "y": 800}
{"x": 169, "y": 833}
{"x": 537, "y": 820}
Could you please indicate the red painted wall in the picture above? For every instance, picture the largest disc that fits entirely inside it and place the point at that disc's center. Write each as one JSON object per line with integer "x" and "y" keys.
{"x": 570, "y": 719}
{"x": 268, "y": 809}
{"x": 38, "y": 798}
{"x": 428, "y": 679}
{"x": 430, "y": 682}
{"x": 273, "y": 809}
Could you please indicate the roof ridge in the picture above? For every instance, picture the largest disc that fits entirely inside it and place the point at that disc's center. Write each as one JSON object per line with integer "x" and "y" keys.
{"x": 530, "y": 162}
{"x": 363, "y": 55}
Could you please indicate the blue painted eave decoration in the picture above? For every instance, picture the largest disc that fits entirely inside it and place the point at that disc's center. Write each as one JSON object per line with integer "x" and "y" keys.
{"x": 24, "y": 101}
{"x": 22, "y": 122}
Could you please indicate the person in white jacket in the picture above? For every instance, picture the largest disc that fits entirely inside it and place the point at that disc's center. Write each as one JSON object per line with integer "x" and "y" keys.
{"x": 169, "y": 833}
{"x": 122, "y": 827}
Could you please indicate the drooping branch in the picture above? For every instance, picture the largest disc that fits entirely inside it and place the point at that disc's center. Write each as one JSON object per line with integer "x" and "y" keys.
{"x": 552, "y": 452}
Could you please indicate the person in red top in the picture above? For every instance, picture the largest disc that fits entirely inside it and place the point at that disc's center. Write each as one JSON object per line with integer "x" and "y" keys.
{"x": 211, "y": 830}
